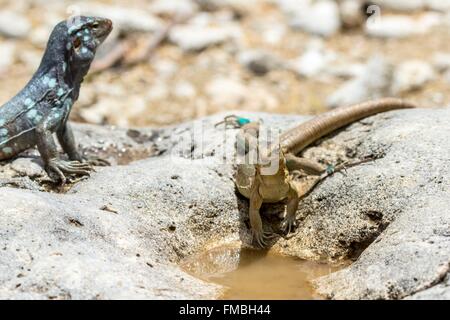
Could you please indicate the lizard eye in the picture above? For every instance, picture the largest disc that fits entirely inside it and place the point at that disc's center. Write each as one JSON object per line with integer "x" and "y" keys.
{"x": 77, "y": 43}
{"x": 95, "y": 25}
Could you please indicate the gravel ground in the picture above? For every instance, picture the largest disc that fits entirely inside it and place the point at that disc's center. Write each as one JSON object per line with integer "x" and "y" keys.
{"x": 284, "y": 56}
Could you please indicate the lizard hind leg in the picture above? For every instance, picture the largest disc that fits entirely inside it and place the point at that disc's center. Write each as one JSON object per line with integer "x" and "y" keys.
{"x": 307, "y": 165}
{"x": 299, "y": 190}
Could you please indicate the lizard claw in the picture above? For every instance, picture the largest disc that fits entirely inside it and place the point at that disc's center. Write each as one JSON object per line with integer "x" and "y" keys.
{"x": 63, "y": 168}
{"x": 262, "y": 238}
{"x": 288, "y": 225}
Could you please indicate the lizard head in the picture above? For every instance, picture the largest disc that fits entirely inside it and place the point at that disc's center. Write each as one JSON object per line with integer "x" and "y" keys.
{"x": 85, "y": 35}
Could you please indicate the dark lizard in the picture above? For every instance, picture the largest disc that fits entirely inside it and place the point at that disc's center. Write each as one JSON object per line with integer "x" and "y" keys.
{"x": 262, "y": 187}
{"x": 43, "y": 106}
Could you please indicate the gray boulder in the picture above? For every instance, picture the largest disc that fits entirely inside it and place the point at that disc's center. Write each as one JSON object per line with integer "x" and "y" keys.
{"x": 170, "y": 195}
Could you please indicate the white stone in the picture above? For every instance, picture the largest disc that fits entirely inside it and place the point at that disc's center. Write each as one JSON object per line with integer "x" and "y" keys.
{"x": 314, "y": 61}
{"x": 165, "y": 68}
{"x": 400, "y": 5}
{"x": 27, "y": 167}
{"x": 320, "y": 18}
{"x": 173, "y": 7}
{"x": 441, "y": 61}
{"x": 39, "y": 35}
{"x": 352, "y": 14}
{"x": 372, "y": 83}
{"x": 430, "y": 20}
{"x": 158, "y": 91}
{"x": 394, "y": 26}
{"x": 290, "y": 7}
{"x": 14, "y": 25}
{"x": 7, "y": 55}
{"x": 124, "y": 18}
{"x": 226, "y": 92}
{"x": 411, "y": 75}
{"x": 30, "y": 58}
{"x": 195, "y": 37}
{"x": 439, "y": 5}
{"x": 202, "y": 19}
{"x": 274, "y": 34}
{"x": 235, "y": 5}
{"x": 184, "y": 89}
{"x": 96, "y": 113}
{"x": 447, "y": 77}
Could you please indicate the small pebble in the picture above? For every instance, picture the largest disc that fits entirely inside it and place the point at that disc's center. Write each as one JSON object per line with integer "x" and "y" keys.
{"x": 14, "y": 25}
{"x": 411, "y": 75}
{"x": 196, "y": 38}
{"x": 109, "y": 208}
{"x": 318, "y": 17}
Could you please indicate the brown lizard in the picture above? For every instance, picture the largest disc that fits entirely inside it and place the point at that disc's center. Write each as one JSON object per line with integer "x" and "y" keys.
{"x": 255, "y": 182}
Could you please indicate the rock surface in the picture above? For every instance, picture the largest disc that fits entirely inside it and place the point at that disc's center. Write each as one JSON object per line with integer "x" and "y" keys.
{"x": 121, "y": 233}
{"x": 409, "y": 191}
{"x": 226, "y": 39}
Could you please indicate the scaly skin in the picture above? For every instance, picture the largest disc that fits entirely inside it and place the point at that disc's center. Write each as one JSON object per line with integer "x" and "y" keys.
{"x": 43, "y": 106}
{"x": 260, "y": 188}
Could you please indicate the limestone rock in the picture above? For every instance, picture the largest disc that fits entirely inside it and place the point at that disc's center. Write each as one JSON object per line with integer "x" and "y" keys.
{"x": 177, "y": 202}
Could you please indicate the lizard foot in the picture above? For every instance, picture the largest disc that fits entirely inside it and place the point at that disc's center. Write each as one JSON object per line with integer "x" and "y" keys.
{"x": 62, "y": 167}
{"x": 288, "y": 225}
{"x": 262, "y": 237}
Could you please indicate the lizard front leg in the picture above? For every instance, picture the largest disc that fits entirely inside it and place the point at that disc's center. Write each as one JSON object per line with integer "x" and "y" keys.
{"x": 288, "y": 224}
{"x": 47, "y": 148}
{"x": 67, "y": 141}
{"x": 256, "y": 201}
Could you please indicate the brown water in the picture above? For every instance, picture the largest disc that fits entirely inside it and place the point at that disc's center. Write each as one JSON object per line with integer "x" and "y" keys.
{"x": 256, "y": 274}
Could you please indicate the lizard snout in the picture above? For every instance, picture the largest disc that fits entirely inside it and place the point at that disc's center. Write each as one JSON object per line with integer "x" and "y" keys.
{"x": 102, "y": 28}
{"x": 107, "y": 26}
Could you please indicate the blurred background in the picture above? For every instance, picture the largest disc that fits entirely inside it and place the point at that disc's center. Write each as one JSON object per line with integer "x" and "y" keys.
{"x": 169, "y": 61}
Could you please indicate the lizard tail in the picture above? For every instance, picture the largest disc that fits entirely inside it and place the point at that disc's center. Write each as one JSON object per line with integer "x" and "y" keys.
{"x": 296, "y": 139}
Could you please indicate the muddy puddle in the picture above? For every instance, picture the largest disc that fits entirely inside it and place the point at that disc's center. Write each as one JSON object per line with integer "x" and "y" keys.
{"x": 257, "y": 274}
